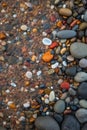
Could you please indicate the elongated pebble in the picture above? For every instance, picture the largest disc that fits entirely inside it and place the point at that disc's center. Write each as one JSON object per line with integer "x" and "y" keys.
{"x": 65, "y": 12}
{"x": 80, "y": 77}
{"x": 65, "y": 34}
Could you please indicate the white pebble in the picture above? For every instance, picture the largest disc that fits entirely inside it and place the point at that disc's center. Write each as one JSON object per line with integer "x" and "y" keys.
{"x": 46, "y": 41}
{"x": 60, "y": 81}
{"x": 39, "y": 73}
{"x": 64, "y": 63}
{"x": 23, "y": 27}
{"x": 26, "y": 105}
{"x": 46, "y": 101}
{"x": 28, "y": 74}
{"x": 44, "y": 33}
{"x": 52, "y": 96}
{"x": 55, "y": 65}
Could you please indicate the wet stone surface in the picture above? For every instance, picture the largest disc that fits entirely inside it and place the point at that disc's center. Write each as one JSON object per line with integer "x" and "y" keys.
{"x": 43, "y": 64}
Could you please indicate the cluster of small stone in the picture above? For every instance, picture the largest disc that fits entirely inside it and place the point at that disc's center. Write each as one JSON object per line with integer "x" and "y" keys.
{"x": 43, "y": 65}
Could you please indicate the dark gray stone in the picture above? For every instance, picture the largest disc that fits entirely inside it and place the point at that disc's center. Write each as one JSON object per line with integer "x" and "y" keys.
{"x": 46, "y": 123}
{"x": 58, "y": 117}
{"x": 82, "y": 90}
{"x": 84, "y": 127}
{"x": 85, "y": 16}
{"x": 64, "y": 34}
{"x": 70, "y": 123}
{"x": 71, "y": 71}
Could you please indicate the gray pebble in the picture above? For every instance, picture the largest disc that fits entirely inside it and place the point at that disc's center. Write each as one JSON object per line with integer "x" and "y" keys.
{"x": 78, "y": 50}
{"x": 70, "y": 123}
{"x": 84, "y": 127}
{"x": 66, "y": 34}
{"x": 2, "y": 128}
{"x": 80, "y": 77}
{"x": 71, "y": 71}
{"x": 46, "y": 123}
{"x": 82, "y": 90}
{"x": 85, "y": 16}
{"x": 81, "y": 115}
{"x": 59, "y": 106}
{"x": 83, "y": 63}
{"x": 83, "y": 103}
{"x": 72, "y": 92}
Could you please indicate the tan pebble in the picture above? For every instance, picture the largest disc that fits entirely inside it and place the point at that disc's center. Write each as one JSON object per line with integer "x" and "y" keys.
{"x": 63, "y": 50}
{"x": 2, "y": 58}
{"x": 1, "y": 115}
{"x": 23, "y": 27}
{"x": 83, "y": 26}
{"x": 65, "y": 12}
{"x": 70, "y": 58}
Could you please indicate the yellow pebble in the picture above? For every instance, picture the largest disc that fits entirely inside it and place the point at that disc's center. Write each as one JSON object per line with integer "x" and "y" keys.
{"x": 33, "y": 58}
{"x": 27, "y": 83}
{"x": 34, "y": 30}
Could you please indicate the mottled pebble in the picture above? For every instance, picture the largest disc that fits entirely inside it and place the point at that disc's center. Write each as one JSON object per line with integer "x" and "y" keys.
{"x": 42, "y": 123}
{"x": 80, "y": 77}
{"x": 82, "y": 90}
{"x": 71, "y": 71}
{"x": 81, "y": 115}
{"x": 65, "y": 34}
{"x": 59, "y": 106}
{"x": 83, "y": 103}
{"x": 70, "y": 123}
{"x": 83, "y": 63}
{"x": 78, "y": 50}
{"x": 24, "y": 27}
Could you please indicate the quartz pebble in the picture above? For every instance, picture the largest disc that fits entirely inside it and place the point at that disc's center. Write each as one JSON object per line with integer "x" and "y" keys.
{"x": 52, "y": 96}
{"x": 42, "y": 123}
{"x": 80, "y": 77}
{"x": 59, "y": 106}
{"x": 78, "y": 50}
{"x": 83, "y": 63}
{"x": 28, "y": 74}
{"x": 70, "y": 123}
{"x": 81, "y": 115}
{"x": 65, "y": 34}
{"x": 46, "y": 41}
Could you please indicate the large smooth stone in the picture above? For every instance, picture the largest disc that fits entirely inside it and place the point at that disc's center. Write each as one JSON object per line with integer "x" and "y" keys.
{"x": 78, "y": 50}
{"x": 71, "y": 71}
{"x": 81, "y": 115}
{"x": 65, "y": 12}
{"x": 83, "y": 63}
{"x": 80, "y": 77}
{"x": 85, "y": 16}
{"x": 82, "y": 90}
{"x": 70, "y": 123}
{"x": 59, "y": 106}
{"x": 83, "y": 103}
{"x": 46, "y": 123}
{"x": 84, "y": 127}
{"x": 65, "y": 34}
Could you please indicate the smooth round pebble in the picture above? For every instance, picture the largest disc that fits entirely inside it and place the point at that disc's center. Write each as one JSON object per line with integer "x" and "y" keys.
{"x": 59, "y": 106}
{"x": 46, "y": 123}
{"x": 81, "y": 115}
{"x": 46, "y": 41}
{"x": 23, "y": 27}
{"x": 71, "y": 71}
{"x": 70, "y": 123}
{"x": 80, "y": 77}
{"x": 28, "y": 74}
{"x": 83, "y": 103}
{"x": 65, "y": 12}
{"x": 85, "y": 16}
{"x": 83, "y": 63}
{"x": 82, "y": 90}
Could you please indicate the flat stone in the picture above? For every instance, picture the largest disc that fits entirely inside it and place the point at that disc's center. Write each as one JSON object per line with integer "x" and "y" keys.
{"x": 46, "y": 41}
{"x": 81, "y": 115}
{"x": 65, "y": 12}
{"x": 65, "y": 34}
{"x": 83, "y": 103}
{"x": 80, "y": 77}
{"x": 83, "y": 63}
{"x": 78, "y": 50}
{"x": 46, "y": 123}
{"x": 70, "y": 123}
{"x": 23, "y": 27}
{"x": 84, "y": 127}
{"x": 71, "y": 71}
{"x": 85, "y": 16}
{"x": 82, "y": 90}
{"x": 59, "y": 106}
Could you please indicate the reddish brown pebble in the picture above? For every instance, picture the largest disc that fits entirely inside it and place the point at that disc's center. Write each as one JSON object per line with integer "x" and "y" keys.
{"x": 2, "y": 35}
{"x": 53, "y": 45}
{"x": 65, "y": 85}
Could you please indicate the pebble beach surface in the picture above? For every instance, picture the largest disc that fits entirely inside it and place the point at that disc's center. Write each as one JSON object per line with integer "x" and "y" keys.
{"x": 43, "y": 65}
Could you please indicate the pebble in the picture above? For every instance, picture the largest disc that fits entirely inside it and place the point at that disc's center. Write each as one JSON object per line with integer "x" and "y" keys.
{"x": 42, "y": 123}
{"x": 70, "y": 123}
{"x": 83, "y": 103}
{"x": 47, "y": 56}
{"x": 65, "y": 85}
{"x": 59, "y": 106}
{"x": 55, "y": 65}
{"x": 70, "y": 58}
{"x": 83, "y": 26}
{"x": 82, "y": 90}
{"x": 52, "y": 96}
{"x": 65, "y": 12}
{"x": 71, "y": 71}
{"x": 58, "y": 117}
{"x": 78, "y": 50}
{"x": 28, "y": 74}
{"x": 46, "y": 41}
{"x": 84, "y": 127}
{"x": 65, "y": 34}
{"x": 81, "y": 115}
{"x": 26, "y": 105}
{"x": 23, "y": 27}
{"x": 2, "y": 128}
{"x": 80, "y": 77}
{"x": 85, "y": 16}
{"x": 83, "y": 63}
{"x": 72, "y": 92}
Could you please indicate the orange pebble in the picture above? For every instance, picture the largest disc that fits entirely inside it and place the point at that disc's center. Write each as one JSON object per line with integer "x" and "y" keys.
{"x": 12, "y": 106}
{"x": 59, "y": 24}
{"x": 24, "y": 49}
{"x": 47, "y": 56}
{"x": 34, "y": 30}
{"x": 2, "y": 35}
